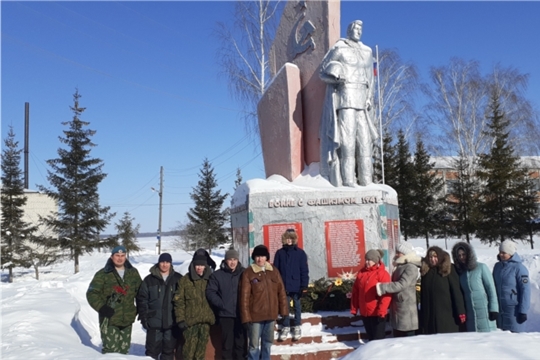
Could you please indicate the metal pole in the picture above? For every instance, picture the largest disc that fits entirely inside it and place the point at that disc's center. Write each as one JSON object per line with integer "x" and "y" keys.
{"x": 380, "y": 109}
{"x": 26, "y": 145}
{"x": 160, "y": 207}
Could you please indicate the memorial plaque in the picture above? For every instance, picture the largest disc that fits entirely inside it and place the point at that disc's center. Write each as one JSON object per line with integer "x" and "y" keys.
{"x": 345, "y": 246}
{"x": 272, "y": 236}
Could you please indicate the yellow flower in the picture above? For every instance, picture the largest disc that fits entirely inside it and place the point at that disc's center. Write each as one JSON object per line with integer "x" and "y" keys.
{"x": 338, "y": 282}
{"x": 417, "y": 287}
{"x": 291, "y": 303}
{"x": 311, "y": 285}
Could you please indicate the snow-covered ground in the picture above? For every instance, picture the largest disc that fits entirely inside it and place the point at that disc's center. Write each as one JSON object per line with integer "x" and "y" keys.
{"x": 51, "y": 319}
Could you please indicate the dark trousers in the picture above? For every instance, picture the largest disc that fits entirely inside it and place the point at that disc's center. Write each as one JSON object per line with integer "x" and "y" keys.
{"x": 233, "y": 339}
{"x": 399, "y": 333}
{"x": 163, "y": 342}
{"x": 375, "y": 330}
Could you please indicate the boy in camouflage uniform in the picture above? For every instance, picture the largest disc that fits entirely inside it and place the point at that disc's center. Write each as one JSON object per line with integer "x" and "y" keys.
{"x": 112, "y": 294}
{"x": 193, "y": 313}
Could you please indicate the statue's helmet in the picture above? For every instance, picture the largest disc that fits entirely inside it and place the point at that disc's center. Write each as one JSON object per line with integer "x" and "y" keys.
{"x": 335, "y": 69}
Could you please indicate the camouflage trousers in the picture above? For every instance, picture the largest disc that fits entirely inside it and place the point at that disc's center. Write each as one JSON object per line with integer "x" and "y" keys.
{"x": 196, "y": 338}
{"x": 116, "y": 339}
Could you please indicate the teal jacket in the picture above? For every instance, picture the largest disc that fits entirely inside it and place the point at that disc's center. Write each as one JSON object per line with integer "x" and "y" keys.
{"x": 107, "y": 285}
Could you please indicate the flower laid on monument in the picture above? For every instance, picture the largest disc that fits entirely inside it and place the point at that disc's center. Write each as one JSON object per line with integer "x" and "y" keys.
{"x": 348, "y": 275}
{"x": 311, "y": 285}
{"x": 328, "y": 295}
{"x": 338, "y": 282}
{"x": 349, "y": 295}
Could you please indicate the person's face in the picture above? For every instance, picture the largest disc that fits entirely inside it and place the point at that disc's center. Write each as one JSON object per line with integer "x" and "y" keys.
{"x": 462, "y": 257}
{"x": 398, "y": 255}
{"x": 119, "y": 259}
{"x": 504, "y": 256}
{"x": 232, "y": 263}
{"x": 199, "y": 269}
{"x": 370, "y": 263}
{"x": 356, "y": 32}
{"x": 433, "y": 259}
{"x": 289, "y": 241}
{"x": 260, "y": 260}
{"x": 164, "y": 267}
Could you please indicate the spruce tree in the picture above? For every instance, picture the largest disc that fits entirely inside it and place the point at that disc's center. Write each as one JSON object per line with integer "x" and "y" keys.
{"x": 14, "y": 230}
{"x": 404, "y": 185}
{"x": 390, "y": 162}
{"x": 206, "y": 227}
{"x": 462, "y": 200}
{"x": 127, "y": 233}
{"x": 75, "y": 177}
{"x": 427, "y": 195}
{"x": 506, "y": 197}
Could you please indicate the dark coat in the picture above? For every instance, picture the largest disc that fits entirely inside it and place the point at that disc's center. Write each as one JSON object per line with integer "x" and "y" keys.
{"x": 291, "y": 261}
{"x": 478, "y": 290}
{"x": 102, "y": 289}
{"x": 441, "y": 300}
{"x": 222, "y": 290}
{"x": 262, "y": 294}
{"x": 155, "y": 299}
{"x": 190, "y": 304}
{"x": 513, "y": 290}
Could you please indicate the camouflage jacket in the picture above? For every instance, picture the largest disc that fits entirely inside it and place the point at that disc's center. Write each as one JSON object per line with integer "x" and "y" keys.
{"x": 190, "y": 304}
{"x": 107, "y": 284}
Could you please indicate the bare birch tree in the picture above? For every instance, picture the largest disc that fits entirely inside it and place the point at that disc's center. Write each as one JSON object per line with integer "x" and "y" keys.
{"x": 457, "y": 110}
{"x": 243, "y": 54}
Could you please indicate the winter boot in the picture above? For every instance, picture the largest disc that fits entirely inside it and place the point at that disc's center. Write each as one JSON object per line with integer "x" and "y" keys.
{"x": 284, "y": 333}
{"x": 297, "y": 333}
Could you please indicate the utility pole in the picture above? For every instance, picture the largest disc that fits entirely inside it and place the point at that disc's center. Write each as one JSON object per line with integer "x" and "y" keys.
{"x": 160, "y": 207}
{"x": 160, "y": 193}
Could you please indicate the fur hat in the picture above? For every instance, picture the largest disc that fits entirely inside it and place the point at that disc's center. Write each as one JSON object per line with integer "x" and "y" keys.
{"x": 404, "y": 247}
{"x": 289, "y": 234}
{"x": 231, "y": 254}
{"x": 165, "y": 257}
{"x": 374, "y": 255}
{"x": 200, "y": 260}
{"x": 118, "y": 249}
{"x": 260, "y": 250}
{"x": 509, "y": 247}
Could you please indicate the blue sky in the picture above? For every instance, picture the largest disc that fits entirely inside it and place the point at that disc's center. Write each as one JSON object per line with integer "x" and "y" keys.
{"x": 148, "y": 76}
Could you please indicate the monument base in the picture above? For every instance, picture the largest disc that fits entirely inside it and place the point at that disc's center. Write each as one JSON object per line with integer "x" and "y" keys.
{"x": 335, "y": 226}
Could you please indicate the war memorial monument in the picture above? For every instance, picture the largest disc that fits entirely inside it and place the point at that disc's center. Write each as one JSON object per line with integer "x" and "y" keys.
{"x": 317, "y": 130}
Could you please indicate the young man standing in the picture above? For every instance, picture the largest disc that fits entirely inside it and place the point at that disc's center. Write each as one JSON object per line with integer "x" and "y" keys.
{"x": 112, "y": 294}
{"x": 193, "y": 313}
{"x": 291, "y": 261}
{"x": 156, "y": 309}
{"x": 222, "y": 294}
{"x": 262, "y": 298}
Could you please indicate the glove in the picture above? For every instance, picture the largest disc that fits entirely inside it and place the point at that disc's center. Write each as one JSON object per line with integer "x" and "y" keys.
{"x": 303, "y": 292}
{"x": 493, "y": 315}
{"x": 521, "y": 318}
{"x": 182, "y": 325}
{"x": 462, "y": 318}
{"x": 246, "y": 326}
{"x": 381, "y": 319}
{"x": 106, "y": 311}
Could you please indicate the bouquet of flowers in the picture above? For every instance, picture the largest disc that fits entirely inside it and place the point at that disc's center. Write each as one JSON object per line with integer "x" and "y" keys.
{"x": 114, "y": 299}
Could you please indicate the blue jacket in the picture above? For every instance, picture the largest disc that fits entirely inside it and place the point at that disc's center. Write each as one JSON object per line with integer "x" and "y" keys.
{"x": 478, "y": 289}
{"x": 514, "y": 292}
{"x": 291, "y": 261}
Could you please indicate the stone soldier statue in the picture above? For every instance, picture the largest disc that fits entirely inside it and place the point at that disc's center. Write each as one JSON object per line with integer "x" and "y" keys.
{"x": 347, "y": 131}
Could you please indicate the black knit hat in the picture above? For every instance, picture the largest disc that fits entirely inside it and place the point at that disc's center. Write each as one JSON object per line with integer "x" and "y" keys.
{"x": 165, "y": 257}
{"x": 260, "y": 250}
{"x": 200, "y": 260}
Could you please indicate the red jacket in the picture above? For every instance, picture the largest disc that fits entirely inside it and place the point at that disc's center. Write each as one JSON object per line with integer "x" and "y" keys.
{"x": 364, "y": 294}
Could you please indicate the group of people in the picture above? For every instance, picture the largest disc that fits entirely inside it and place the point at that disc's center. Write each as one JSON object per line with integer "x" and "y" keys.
{"x": 177, "y": 311}
{"x": 459, "y": 296}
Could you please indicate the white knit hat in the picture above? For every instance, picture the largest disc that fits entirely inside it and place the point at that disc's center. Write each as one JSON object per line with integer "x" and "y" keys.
{"x": 508, "y": 246}
{"x": 404, "y": 247}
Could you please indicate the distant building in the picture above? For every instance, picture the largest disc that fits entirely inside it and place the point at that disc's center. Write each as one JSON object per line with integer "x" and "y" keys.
{"x": 444, "y": 168}
{"x": 39, "y": 204}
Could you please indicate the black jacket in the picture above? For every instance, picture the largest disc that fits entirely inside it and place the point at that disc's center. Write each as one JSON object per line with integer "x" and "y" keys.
{"x": 222, "y": 290}
{"x": 155, "y": 299}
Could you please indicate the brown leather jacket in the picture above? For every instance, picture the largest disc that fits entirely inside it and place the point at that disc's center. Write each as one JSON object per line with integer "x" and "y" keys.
{"x": 262, "y": 294}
